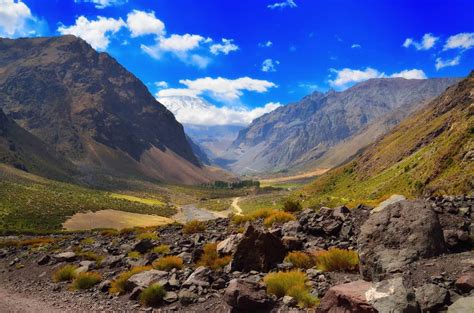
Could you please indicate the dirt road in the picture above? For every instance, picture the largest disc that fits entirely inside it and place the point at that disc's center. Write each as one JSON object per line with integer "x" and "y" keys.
{"x": 15, "y": 303}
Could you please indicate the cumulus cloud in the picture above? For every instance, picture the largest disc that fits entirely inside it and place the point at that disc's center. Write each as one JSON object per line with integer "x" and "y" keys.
{"x": 269, "y": 65}
{"x": 96, "y": 32}
{"x": 225, "y": 47}
{"x": 410, "y": 74}
{"x": 267, "y": 44}
{"x": 427, "y": 42}
{"x": 161, "y": 84}
{"x": 347, "y": 76}
{"x": 356, "y": 46}
{"x": 219, "y": 88}
{"x": 282, "y": 5}
{"x": 196, "y": 111}
{"x": 440, "y": 63}
{"x": 17, "y": 20}
{"x": 144, "y": 23}
{"x": 101, "y": 4}
{"x": 460, "y": 41}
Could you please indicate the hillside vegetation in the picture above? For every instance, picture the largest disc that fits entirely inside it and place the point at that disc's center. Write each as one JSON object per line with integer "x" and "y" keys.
{"x": 430, "y": 153}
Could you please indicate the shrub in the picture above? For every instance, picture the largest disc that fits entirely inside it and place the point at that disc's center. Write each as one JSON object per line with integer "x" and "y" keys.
{"x": 300, "y": 259}
{"x": 336, "y": 259}
{"x": 161, "y": 249}
{"x": 147, "y": 235}
{"x": 193, "y": 227}
{"x": 292, "y": 206}
{"x": 87, "y": 241}
{"x": 91, "y": 256}
{"x": 134, "y": 255}
{"x": 279, "y": 217}
{"x": 261, "y": 213}
{"x": 292, "y": 283}
{"x": 211, "y": 259}
{"x": 86, "y": 280}
{"x": 241, "y": 219}
{"x": 167, "y": 263}
{"x": 118, "y": 285}
{"x": 65, "y": 273}
{"x": 152, "y": 295}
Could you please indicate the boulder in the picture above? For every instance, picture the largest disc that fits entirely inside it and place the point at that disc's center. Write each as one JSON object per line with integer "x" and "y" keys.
{"x": 170, "y": 297}
{"x": 200, "y": 277}
{"x": 228, "y": 245}
{"x": 347, "y": 298}
{"x": 246, "y": 296}
{"x": 105, "y": 285}
{"x": 401, "y": 233}
{"x": 431, "y": 297}
{"x": 65, "y": 257}
{"x": 43, "y": 260}
{"x": 462, "y": 305}
{"x": 392, "y": 296}
{"x": 258, "y": 250}
{"x": 143, "y": 246}
{"x": 465, "y": 283}
{"x": 187, "y": 297}
{"x": 292, "y": 243}
{"x": 145, "y": 279}
{"x": 291, "y": 228}
{"x": 112, "y": 261}
{"x": 393, "y": 199}
{"x": 341, "y": 212}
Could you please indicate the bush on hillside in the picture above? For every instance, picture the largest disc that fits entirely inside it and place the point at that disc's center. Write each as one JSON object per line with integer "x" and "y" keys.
{"x": 193, "y": 227}
{"x": 152, "y": 295}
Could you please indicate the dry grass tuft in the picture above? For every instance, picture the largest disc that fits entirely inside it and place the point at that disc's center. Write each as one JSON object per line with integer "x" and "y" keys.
{"x": 152, "y": 295}
{"x": 147, "y": 235}
{"x": 337, "y": 260}
{"x": 193, "y": 227}
{"x": 278, "y": 217}
{"x": 292, "y": 283}
{"x": 134, "y": 255}
{"x": 161, "y": 249}
{"x": 86, "y": 280}
{"x": 261, "y": 213}
{"x": 65, "y": 273}
{"x": 211, "y": 259}
{"x": 167, "y": 263}
{"x": 33, "y": 242}
{"x": 300, "y": 259}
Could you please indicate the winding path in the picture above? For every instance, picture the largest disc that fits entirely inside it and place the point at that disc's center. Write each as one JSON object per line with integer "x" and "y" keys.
{"x": 235, "y": 206}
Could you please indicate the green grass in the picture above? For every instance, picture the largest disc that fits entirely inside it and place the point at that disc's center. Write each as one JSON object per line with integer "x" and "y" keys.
{"x": 152, "y": 295}
{"x": 273, "y": 200}
{"x": 153, "y": 202}
{"x": 38, "y": 204}
{"x": 216, "y": 204}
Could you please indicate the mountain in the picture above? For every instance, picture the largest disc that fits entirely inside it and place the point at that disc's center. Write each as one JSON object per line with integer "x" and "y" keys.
{"x": 429, "y": 153}
{"x": 92, "y": 111}
{"x": 24, "y": 151}
{"x": 205, "y": 131}
{"x": 314, "y": 130}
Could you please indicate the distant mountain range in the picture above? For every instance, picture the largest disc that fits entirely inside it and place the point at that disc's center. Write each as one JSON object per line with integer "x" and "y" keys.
{"x": 88, "y": 109}
{"x": 429, "y": 153}
{"x": 326, "y": 129}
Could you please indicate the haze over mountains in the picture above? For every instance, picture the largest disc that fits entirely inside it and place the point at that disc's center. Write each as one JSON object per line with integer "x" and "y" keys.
{"x": 324, "y": 130}
{"x": 90, "y": 110}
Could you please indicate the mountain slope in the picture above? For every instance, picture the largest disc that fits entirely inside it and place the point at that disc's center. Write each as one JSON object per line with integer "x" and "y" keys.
{"x": 93, "y": 111}
{"x": 431, "y": 152}
{"x": 305, "y": 131}
{"x": 24, "y": 151}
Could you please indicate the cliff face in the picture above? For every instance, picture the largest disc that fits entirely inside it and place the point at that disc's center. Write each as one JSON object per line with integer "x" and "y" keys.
{"x": 306, "y": 130}
{"x": 91, "y": 110}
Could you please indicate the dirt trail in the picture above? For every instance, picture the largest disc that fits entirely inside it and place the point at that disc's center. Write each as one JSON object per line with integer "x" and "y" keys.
{"x": 235, "y": 206}
{"x": 15, "y": 303}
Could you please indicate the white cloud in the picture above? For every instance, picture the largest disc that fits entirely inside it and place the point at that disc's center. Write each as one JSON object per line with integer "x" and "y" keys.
{"x": 410, "y": 74}
{"x": 269, "y": 65}
{"x": 462, "y": 40}
{"x": 225, "y": 47}
{"x": 196, "y": 111}
{"x": 356, "y": 46}
{"x": 101, "y": 4}
{"x": 161, "y": 84}
{"x": 16, "y": 20}
{"x": 347, "y": 76}
{"x": 144, "y": 23}
{"x": 96, "y": 32}
{"x": 219, "y": 88}
{"x": 440, "y": 63}
{"x": 282, "y": 5}
{"x": 427, "y": 42}
{"x": 180, "y": 43}
{"x": 267, "y": 44}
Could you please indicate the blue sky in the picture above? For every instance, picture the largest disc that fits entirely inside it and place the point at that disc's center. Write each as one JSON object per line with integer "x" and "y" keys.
{"x": 245, "y": 54}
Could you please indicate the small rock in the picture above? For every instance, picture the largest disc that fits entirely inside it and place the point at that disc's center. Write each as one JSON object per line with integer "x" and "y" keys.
{"x": 143, "y": 246}
{"x": 228, "y": 245}
{"x": 145, "y": 279}
{"x": 246, "y": 296}
{"x": 170, "y": 297}
{"x": 200, "y": 277}
{"x": 105, "y": 285}
{"x": 187, "y": 297}
{"x": 431, "y": 297}
{"x": 135, "y": 293}
{"x": 465, "y": 283}
{"x": 43, "y": 260}
{"x": 65, "y": 257}
{"x": 289, "y": 301}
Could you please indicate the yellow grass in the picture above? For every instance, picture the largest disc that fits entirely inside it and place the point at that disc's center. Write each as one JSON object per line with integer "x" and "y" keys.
{"x": 300, "y": 259}
{"x": 336, "y": 259}
{"x": 193, "y": 227}
{"x": 118, "y": 285}
{"x": 211, "y": 259}
{"x": 167, "y": 263}
{"x": 137, "y": 199}
{"x": 86, "y": 280}
{"x": 278, "y": 217}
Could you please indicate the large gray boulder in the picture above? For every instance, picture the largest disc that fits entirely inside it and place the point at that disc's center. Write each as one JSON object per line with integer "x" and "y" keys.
{"x": 462, "y": 305}
{"x": 145, "y": 279}
{"x": 258, "y": 250}
{"x": 396, "y": 236}
{"x": 392, "y": 296}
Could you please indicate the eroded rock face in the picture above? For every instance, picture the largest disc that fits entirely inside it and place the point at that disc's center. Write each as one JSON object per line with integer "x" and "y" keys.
{"x": 258, "y": 250}
{"x": 401, "y": 233}
{"x": 246, "y": 296}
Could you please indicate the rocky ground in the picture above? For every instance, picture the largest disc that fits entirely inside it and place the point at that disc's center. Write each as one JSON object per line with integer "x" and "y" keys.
{"x": 415, "y": 256}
